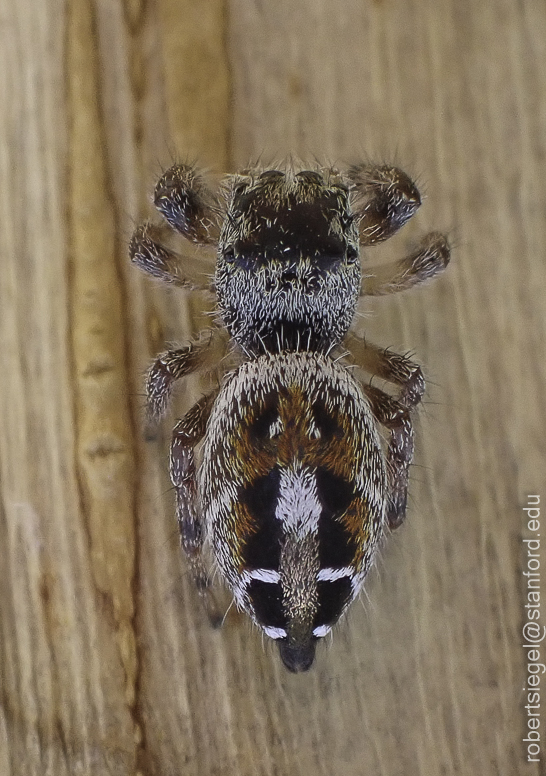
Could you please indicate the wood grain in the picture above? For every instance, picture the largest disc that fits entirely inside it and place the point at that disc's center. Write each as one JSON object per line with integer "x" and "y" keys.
{"x": 107, "y": 665}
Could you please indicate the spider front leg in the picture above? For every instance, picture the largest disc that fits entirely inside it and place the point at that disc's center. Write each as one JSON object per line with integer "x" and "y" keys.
{"x": 186, "y": 435}
{"x": 191, "y": 209}
{"x": 189, "y": 269}
{"x": 393, "y": 413}
{"x": 429, "y": 259}
{"x": 187, "y": 204}
{"x": 384, "y": 198}
{"x": 171, "y": 365}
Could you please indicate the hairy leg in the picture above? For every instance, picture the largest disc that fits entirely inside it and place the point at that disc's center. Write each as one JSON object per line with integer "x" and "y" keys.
{"x": 394, "y": 412}
{"x": 191, "y": 270}
{"x": 396, "y": 417}
{"x": 429, "y": 259}
{"x": 188, "y": 205}
{"x": 397, "y": 369}
{"x": 170, "y": 366}
{"x": 384, "y": 198}
{"x": 187, "y": 433}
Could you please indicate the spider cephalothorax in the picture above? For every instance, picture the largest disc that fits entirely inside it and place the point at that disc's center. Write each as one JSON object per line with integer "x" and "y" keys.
{"x": 294, "y": 489}
{"x": 288, "y": 270}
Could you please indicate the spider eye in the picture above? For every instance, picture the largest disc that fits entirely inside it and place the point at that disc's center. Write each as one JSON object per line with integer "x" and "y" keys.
{"x": 229, "y": 254}
{"x": 352, "y": 252}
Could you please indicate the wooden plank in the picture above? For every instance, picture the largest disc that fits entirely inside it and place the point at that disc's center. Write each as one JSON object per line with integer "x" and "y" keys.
{"x": 107, "y": 665}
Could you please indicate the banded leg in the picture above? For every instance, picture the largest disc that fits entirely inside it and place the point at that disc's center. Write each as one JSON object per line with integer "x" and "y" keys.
{"x": 384, "y": 198}
{"x": 390, "y": 366}
{"x": 187, "y": 433}
{"x": 148, "y": 252}
{"x": 187, "y": 204}
{"x": 394, "y": 413}
{"x": 171, "y": 365}
{"x": 428, "y": 260}
{"x": 191, "y": 209}
{"x": 396, "y": 417}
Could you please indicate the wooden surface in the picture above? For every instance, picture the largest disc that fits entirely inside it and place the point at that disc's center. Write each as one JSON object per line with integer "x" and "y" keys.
{"x": 107, "y": 664}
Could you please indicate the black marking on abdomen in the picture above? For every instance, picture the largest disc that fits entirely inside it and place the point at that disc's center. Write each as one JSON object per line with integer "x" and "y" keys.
{"x": 337, "y": 546}
{"x": 262, "y": 549}
{"x": 327, "y": 423}
{"x": 266, "y": 600}
{"x": 335, "y": 493}
{"x": 260, "y": 428}
{"x": 332, "y": 599}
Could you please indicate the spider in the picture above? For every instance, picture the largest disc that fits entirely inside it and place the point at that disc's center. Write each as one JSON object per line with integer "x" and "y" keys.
{"x": 294, "y": 489}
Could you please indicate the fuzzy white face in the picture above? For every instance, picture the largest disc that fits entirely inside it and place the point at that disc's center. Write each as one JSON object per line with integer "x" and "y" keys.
{"x": 288, "y": 272}
{"x": 293, "y": 488}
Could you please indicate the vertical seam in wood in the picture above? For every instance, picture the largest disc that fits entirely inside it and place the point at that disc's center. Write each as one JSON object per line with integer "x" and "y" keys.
{"x": 104, "y": 426}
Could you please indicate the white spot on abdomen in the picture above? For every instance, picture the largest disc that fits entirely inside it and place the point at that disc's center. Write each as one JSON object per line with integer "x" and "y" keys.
{"x": 298, "y": 505}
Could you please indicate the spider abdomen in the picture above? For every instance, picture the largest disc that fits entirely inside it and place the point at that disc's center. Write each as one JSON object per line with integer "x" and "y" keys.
{"x": 293, "y": 490}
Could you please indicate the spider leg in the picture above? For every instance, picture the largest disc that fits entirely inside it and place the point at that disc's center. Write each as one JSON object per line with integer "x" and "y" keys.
{"x": 188, "y": 205}
{"x": 148, "y": 252}
{"x": 428, "y": 260}
{"x": 396, "y": 417}
{"x": 394, "y": 412}
{"x": 390, "y": 366}
{"x": 170, "y": 366}
{"x": 186, "y": 435}
{"x": 191, "y": 209}
{"x": 384, "y": 198}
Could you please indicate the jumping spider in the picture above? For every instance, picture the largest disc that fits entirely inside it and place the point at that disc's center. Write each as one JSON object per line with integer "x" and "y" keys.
{"x": 294, "y": 490}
